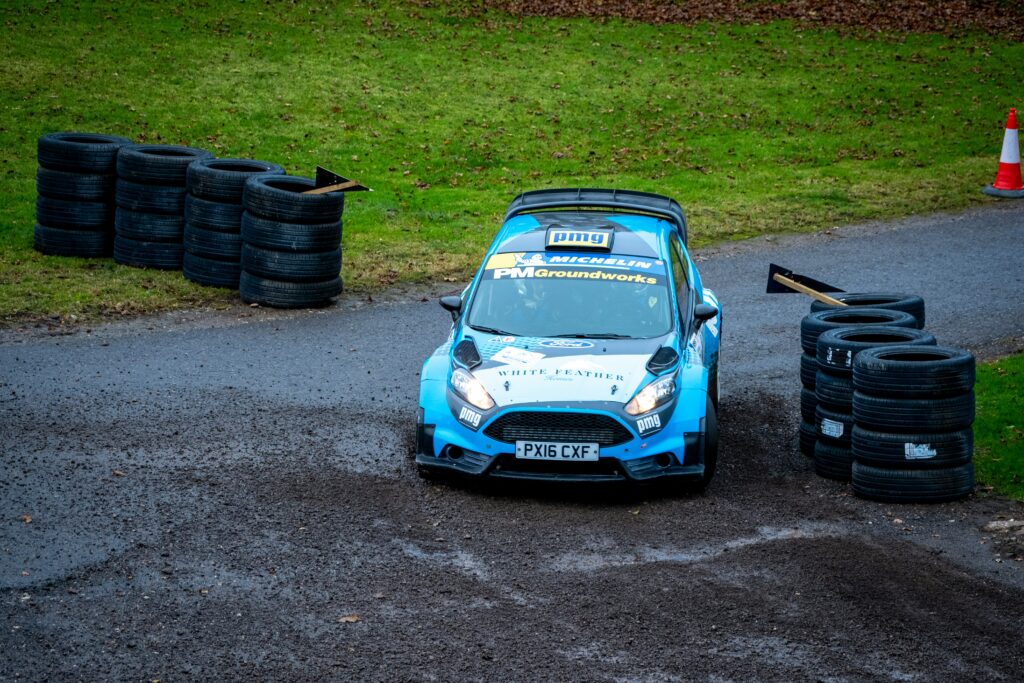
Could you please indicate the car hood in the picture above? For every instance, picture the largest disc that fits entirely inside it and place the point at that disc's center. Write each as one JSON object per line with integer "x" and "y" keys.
{"x": 520, "y": 370}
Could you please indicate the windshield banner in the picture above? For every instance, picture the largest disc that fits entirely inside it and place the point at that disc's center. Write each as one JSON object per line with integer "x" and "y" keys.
{"x": 540, "y": 265}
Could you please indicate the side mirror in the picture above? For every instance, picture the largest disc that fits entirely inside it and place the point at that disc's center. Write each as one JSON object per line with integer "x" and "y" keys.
{"x": 453, "y": 304}
{"x": 704, "y": 312}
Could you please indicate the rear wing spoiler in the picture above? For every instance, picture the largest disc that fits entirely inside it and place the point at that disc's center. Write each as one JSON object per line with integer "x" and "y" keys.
{"x": 627, "y": 201}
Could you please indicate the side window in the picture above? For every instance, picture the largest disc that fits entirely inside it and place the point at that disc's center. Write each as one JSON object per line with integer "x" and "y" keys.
{"x": 679, "y": 276}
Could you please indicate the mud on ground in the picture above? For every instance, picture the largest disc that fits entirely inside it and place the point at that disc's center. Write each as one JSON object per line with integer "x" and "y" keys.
{"x": 252, "y": 542}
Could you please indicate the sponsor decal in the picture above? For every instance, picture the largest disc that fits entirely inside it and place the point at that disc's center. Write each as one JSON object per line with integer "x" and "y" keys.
{"x": 595, "y": 239}
{"x": 567, "y": 344}
{"x": 831, "y": 428}
{"x": 839, "y": 357}
{"x": 919, "y": 451}
{"x": 604, "y": 261}
{"x": 648, "y": 424}
{"x": 561, "y": 373}
{"x": 470, "y": 417}
{"x": 712, "y": 324}
{"x": 510, "y": 354}
{"x": 503, "y": 340}
{"x": 552, "y": 273}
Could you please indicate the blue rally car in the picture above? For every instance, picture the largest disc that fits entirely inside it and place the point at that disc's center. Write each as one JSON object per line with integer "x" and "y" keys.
{"x": 585, "y": 349}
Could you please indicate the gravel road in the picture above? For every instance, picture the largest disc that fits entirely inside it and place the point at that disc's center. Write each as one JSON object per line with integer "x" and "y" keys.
{"x": 228, "y": 495}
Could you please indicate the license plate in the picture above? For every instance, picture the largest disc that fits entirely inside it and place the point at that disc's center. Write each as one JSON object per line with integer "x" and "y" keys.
{"x": 551, "y": 450}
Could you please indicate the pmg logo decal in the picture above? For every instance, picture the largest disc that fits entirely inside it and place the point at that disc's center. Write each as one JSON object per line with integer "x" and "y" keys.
{"x": 648, "y": 424}
{"x": 596, "y": 239}
{"x": 566, "y": 344}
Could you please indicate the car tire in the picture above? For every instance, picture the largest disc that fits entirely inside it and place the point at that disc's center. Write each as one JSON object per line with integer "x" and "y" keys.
{"x": 836, "y": 349}
{"x": 74, "y": 186}
{"x": 913, "y": 486}
{"x": 74, "y": 215}
{"x": 209, "y": 215}
{"x": 287, "y": 294}
{"x": 297, "y": 237}
{"x": 833, "y": 426}
{"x": 157, "y": 164}
{"x": 832, "y": 461}
{"x": 808, "y": 370}
{"x": 223, "y": 246}
{"x": 165, "y": 199}
{"x": 912, "y": 451}
{"x": 808, "y": 404}
{"x": 908, "y": 303}
{"x": 148, "y": 227}
{"x": 211, "y": 272}
{"x": 223, "y": 180}
{"x": 710, "y": 455}
{"x": 812, "y": 326}
{"x": 913, "y": 415}
{"x": 912, "y": 372}
{"x": 808, "y": 434}
{"x": 834, "y": 392}
{"x": 281, "y": 198}
{"x": 60, "y": 242}
{"x": 163, "y": 255}
{"x": 291, "y": 266}
{"x": 90, "y": 153}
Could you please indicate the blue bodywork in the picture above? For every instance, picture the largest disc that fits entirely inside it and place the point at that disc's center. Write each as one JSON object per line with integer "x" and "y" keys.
{"x": 577, "y": 384}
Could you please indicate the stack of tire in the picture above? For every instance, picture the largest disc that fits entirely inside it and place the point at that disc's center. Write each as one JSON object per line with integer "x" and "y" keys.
{"x": 213, "y": 218}
{"x": 913, "y": 408}
{"x": 837, "y": 350}
{"x": 291, "y": 242}
{"x": 811, "y": 327}
{"x": 150, "y": 220}
{"x": 75, "y": 187}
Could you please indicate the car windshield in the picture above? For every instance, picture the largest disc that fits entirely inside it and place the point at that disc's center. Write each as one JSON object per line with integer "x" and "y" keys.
{"x": 572, "y": 294}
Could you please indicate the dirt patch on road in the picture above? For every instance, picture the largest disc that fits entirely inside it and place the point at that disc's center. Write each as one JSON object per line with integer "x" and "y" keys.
{"x": 927, "y": 16}
{"x": 274, "y": 541}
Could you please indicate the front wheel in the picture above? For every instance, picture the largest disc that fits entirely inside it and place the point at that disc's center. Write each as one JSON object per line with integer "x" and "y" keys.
{"x": 710, "y": 445}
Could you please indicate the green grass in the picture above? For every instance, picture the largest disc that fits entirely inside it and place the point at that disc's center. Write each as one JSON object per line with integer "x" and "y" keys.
{"x": 999, "y": 428}
{"x": 447, "y": 114}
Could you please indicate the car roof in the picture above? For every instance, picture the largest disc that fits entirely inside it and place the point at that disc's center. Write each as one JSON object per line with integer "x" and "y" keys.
{"x": 633, "y": 235}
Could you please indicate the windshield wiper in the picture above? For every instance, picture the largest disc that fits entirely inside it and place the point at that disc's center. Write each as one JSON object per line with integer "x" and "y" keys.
{"x": 596, "y": 335}
{"x": 492, "y": 330}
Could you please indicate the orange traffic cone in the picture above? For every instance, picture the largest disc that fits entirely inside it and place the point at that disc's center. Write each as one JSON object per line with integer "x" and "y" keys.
{"x": 1008, "y": 181}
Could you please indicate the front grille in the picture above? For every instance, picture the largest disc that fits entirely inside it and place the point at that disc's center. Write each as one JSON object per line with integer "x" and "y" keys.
{"x": 569, "y": 427}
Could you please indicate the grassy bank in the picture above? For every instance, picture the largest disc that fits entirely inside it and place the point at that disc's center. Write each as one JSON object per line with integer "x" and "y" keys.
{"x": 755, "y": 129}
{"x": 999, "y": 429}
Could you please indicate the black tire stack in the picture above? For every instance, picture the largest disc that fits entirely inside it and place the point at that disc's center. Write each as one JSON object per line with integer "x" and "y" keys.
{"x": 811, "y": 327}
{"x": 150, "y": 216}
{"x": 836, "y": 351}
{"x": 913, "y": 408}
{"x": 908, "y": 303}
{"x": 291, "y": 243}
{"x": 75, "y": 188}
{"x": 213, "y": 218}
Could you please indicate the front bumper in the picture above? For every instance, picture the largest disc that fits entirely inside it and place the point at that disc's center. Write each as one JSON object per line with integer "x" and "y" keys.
{"x": 670, "y": 454}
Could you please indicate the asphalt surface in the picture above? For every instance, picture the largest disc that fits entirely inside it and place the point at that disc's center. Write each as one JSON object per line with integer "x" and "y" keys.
{"x": 228, "y": 495}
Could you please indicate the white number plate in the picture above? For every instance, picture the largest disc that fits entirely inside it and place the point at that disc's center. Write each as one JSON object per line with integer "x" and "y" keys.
{"x": 550, "y": 450}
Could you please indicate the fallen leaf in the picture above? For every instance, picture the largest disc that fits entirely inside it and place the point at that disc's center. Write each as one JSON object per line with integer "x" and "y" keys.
{"x": 118, "y": 473}
{"x": 26, "y": 518}
{"x": 349, "y": 619}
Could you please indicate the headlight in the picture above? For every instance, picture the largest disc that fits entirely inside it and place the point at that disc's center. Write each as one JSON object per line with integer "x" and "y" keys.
{"x": 657, "y": 393}
{"x": 471, "y": 390}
